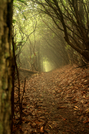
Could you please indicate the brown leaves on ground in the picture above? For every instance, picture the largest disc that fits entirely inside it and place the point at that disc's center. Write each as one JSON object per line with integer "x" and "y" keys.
{"x": 56, "y": 102}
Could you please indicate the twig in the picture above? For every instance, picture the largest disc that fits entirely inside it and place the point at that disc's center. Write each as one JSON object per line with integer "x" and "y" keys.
{"x": 21, "y": 102}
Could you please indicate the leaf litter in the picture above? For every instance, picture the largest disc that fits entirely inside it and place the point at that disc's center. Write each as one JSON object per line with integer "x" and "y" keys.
{"x": 56, "y": 102}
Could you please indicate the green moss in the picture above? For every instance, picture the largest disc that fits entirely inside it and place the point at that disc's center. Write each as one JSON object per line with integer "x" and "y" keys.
{"x": 7, "y": 55}
{"x": 4, "y": 95}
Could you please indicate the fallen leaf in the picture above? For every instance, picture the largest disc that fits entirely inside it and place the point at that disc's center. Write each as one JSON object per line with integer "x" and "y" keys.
{"x": 41, "y": 129}
{"x": 76, "y": 108}
{"x": 50, "y": 126}
{"x": 86, "y": 121}
{"x": 87, "y": 110}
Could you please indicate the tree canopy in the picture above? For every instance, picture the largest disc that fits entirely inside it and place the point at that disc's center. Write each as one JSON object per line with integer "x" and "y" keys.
{"x": 72, "y": 18}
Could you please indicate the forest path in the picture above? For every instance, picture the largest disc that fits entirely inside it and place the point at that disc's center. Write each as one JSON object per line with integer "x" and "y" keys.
{"x": 57, "y": 102}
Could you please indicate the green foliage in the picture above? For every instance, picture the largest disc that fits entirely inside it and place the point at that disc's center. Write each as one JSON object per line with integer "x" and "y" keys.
{"x": 68, "y": 47}
{"x": 14, "y": 21}
{"x": 22, "y": 1}
{"x": 36, "y": 31}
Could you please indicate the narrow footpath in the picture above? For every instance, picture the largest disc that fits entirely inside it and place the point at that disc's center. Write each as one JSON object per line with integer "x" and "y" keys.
{"x": 57, "y": 102}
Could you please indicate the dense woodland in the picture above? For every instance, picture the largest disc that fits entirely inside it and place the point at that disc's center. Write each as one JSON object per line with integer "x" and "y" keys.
{"x": 53, "y": 31}
{"x": 44, "y": 56}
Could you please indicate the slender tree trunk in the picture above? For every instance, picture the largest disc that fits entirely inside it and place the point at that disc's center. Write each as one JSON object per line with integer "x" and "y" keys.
{"x": 5, "y": 66}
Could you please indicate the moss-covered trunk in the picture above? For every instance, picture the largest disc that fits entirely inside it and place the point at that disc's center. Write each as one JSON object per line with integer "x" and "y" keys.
{"x": 5, "y": 65}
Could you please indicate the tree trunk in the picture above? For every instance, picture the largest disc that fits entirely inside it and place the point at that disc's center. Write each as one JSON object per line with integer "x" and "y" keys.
{"x": 5, "y": 66}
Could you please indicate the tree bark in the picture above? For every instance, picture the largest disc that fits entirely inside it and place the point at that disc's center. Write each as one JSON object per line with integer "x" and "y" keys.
{"x": 5, "y": 65}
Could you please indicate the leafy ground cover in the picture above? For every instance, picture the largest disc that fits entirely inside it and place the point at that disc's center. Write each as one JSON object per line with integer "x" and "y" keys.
{"x": 56, "y": 102}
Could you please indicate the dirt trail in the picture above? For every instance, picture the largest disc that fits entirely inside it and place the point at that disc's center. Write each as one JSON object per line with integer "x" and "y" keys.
{"x": 57, "y": 102}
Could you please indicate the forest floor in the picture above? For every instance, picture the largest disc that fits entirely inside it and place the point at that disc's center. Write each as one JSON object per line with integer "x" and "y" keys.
{"x": 56, "y": 102}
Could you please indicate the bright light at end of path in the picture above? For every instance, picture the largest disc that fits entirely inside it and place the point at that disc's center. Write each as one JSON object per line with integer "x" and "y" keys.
{"x": 48, "y": 66}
